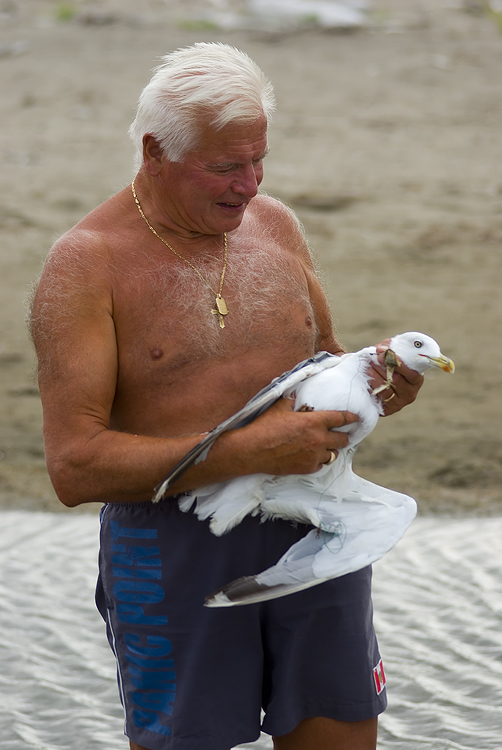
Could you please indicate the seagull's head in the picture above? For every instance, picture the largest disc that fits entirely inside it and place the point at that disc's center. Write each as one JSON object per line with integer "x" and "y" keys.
{"x": 419, "y": 352}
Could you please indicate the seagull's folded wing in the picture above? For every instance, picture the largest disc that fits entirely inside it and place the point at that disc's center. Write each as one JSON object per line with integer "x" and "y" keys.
{"x": 254, "y": 407}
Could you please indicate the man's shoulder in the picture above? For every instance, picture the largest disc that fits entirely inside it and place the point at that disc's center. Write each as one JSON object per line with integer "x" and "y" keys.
{"x": 265, "y": 202}
{"x": 276, "y": 214}
{"x": 76, "y": 253}
{"x": 279, "y": 222}
{"x": 92, "y": 237}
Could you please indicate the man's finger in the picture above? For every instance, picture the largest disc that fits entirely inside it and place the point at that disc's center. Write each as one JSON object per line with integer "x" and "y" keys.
{"x": 341, "y": 418}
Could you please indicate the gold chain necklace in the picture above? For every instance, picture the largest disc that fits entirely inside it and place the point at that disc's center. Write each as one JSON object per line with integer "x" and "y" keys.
{"x": 220, "y": 308}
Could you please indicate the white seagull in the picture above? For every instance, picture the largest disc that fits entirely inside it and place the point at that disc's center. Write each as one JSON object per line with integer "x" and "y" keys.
{"x": 356, "y": 521}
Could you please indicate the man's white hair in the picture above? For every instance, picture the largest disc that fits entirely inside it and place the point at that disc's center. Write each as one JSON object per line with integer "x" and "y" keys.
{"x": 209, "y": 83}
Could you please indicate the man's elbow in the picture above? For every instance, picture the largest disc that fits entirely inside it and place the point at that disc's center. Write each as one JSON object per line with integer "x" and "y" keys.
{"x": 70, "y": 481}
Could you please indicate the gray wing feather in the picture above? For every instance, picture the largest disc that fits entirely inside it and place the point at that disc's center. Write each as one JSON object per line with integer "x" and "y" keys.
{"x": 292, "y": 573}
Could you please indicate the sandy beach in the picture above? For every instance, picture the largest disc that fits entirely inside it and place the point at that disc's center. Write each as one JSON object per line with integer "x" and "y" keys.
{"x": 387, "y": 143}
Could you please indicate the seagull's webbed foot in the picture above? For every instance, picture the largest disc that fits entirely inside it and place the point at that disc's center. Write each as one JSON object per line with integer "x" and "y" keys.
{"x": 391, "y": 361}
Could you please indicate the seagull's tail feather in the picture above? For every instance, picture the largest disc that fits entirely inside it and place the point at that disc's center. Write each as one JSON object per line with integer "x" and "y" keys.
{"x": 254, "y": 407}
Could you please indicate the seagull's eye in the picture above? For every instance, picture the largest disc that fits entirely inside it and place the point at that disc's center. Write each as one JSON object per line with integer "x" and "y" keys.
{"x": 418, "y": 344}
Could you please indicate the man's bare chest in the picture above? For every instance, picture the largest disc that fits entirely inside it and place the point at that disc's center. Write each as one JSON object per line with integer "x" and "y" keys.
{"x": 165, "y": 315}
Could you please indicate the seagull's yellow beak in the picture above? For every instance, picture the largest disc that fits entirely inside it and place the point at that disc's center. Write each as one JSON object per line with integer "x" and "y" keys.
{"x": 444, "y": 363}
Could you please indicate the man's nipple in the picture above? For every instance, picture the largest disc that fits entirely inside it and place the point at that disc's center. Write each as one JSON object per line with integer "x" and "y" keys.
{"x": 308, "y": 321}
{"x": 156, "y": 353}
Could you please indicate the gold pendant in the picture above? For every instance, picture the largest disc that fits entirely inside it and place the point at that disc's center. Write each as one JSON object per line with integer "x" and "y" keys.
{"x": 221, "y": 305}
{"x": 220, "y": 310}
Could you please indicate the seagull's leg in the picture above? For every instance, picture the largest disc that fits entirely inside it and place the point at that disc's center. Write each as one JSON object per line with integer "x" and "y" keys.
{"x": 391, "y": 361}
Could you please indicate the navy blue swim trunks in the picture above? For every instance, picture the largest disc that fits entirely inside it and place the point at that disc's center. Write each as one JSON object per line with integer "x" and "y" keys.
{"x": 198, "y": 678}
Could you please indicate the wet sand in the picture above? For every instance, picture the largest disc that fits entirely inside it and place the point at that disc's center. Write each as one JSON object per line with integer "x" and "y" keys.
{"x": 386, "y": 142}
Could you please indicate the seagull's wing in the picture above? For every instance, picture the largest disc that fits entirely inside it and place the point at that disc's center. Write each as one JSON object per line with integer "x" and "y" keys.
{"x": 254, "y": 407}
{"x": 370, "y": 520}
{"x": 279, "y": 580}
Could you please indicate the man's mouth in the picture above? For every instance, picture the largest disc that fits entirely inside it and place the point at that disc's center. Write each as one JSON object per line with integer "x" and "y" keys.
{"x": 233, "y": 207}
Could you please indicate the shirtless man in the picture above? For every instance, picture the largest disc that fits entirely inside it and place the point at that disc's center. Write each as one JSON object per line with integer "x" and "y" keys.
{"x": 156, "y": 317}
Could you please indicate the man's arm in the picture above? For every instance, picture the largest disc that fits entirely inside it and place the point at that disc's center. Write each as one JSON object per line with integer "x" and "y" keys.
{"x": 74, "y": 335}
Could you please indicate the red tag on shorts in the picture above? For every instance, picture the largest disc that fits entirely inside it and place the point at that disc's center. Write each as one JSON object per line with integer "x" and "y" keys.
{"x": 379, "y": 677}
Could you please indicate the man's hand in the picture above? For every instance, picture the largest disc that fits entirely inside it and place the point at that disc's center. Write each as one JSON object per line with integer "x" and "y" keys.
{"x": 283, "y": 441}
{"x": 405, "y": 383}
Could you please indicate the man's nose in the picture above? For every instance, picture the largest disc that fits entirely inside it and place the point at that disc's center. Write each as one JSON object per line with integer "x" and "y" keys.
{"x": 247, "y": 181}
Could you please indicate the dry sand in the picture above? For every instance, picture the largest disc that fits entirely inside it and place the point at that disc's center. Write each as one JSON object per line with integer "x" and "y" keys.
{"x": 387, "y": 141}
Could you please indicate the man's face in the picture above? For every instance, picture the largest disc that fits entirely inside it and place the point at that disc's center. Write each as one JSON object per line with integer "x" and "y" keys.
{"x": 210, "y": 190}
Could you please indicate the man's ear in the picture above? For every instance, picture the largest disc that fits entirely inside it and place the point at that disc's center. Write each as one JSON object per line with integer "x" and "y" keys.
{"x": 153, "y": 155}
